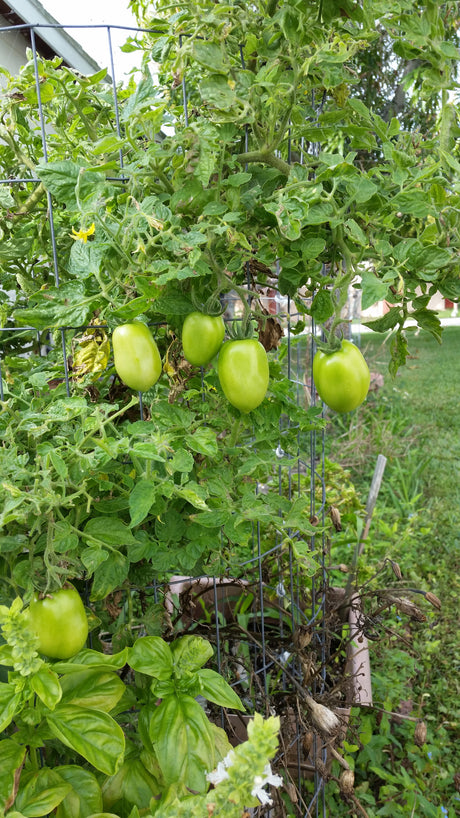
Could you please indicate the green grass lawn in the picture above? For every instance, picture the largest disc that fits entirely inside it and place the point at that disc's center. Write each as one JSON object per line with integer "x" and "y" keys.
{"x": 414, "y": 420}
{"x": 427, "y": 390}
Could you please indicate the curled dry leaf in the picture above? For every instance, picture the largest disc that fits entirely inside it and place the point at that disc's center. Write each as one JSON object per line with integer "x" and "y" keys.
{"x": 270, "y": 333}
{"x": 336, "y": 518}
{"x": 324, "y": 719}
{"x": 433, "y": 600}
{"x": 406, "y": 606}
{"x": 347, "y": 782}
{"x": 420, "y": 733}
{"x": 396, "y": 569}
{"x": 307, "y": 742}
{"x": 302, "y": 637}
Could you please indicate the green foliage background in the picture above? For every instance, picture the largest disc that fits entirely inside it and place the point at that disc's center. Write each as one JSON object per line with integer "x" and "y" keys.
{"x": 276, "y": 171}
{"x": 315, "y": 141}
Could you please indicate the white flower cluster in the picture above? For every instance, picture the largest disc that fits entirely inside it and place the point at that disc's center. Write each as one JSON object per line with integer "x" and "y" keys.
{"x": 260, "y": 781}
{"x": 220, "y": 773}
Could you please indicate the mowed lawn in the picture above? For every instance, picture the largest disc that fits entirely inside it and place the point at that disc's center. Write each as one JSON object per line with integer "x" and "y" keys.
{"x": 427, "y": 390}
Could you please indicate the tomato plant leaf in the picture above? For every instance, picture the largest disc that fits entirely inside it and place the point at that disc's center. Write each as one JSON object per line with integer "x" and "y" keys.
{"x": 291, "y": 279}
{"x": 65, "y": 538}
{"x": 203, "y": 440}
{"x": 216, "y": 91}
{"x": 193, "y": 494}
{"x": 109, "y": 575}
{"x": 131, "y": 310}
{"x": 373, "y": 289}
{"x": 60, "y": 179}
{"x": 59, "y": 464}
{"x": 214, "y": 518}
{"x": 362, "y": 189}
{"x": 92, "y": 557}
{"x": 141, "y": 499}
{"x": 142, "y": 97}
{"x": 148, "y": 450}
{"x": 319, "y": 213}
{"x": 183, "y": 272}
{"x": 388, "y": 321}
{"x": 312, "y": 247}
{"x": 322, "y": 306}
{"x": 172, "y": 528}
{"x": 66, "y": 305}
{"x": 399, "y": 352}
{"x": 181, "y": 461}
{"x": 6, "y": 198}
{"x": 302, "y": 552}
{"x": 209, "y": 55}
{"x": 355, "y": 232}
{"x": 414, "y": 202}
{"x": 428, "y": 260}
{"x": 450, "y": 288}
{"x": 174, "y": 302}
{"x": 85, "y": 259}
{"x": 108, "y": 531}
{"x": 428, "y": 320}
{"x": 64, "y": 409}
{"x": 12, "y": 542}
{"x": 63, "y": 177}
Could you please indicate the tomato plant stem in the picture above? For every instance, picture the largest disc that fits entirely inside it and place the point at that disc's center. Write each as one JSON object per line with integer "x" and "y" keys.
{"x": 265, "y": 158}
{"x": 235, "y": 431}
{"x": 110, "y": 419}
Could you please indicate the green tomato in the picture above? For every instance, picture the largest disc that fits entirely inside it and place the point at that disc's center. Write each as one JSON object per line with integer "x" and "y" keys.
{"x": 136, "y": 356}
{"x": 202, "y": 337}
{"x": 341, "y": 377}
{"x": 60, "y": 622}
{"x": 243, "y": 373}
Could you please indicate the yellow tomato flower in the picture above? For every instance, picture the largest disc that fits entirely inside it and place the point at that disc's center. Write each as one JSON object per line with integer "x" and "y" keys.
{"x": 83, "y": 234}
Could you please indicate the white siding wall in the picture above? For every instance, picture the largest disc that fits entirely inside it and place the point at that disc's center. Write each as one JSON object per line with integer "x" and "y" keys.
{"x": 12, "y": 49}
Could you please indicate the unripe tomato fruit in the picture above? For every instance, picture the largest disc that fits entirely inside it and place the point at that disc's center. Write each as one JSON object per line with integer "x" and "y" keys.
{"x": 341, "y": 377}
{"x": 243, "y": 373}
{"x": 136, "y": 356}
{"x": 60, "y": 622}
{"x": 202, "y": 337}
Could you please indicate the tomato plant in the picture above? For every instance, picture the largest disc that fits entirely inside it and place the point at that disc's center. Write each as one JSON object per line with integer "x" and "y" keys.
{"x": 341, "y": 377}
{"x": 59, "y": 620}
{"x": 243, "y": 373}
{"x": 136, "y": 356}
{"x": 202, "y": 337}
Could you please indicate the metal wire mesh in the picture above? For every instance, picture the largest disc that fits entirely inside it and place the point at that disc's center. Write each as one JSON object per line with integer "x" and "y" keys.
{"x": 214, "y": 606}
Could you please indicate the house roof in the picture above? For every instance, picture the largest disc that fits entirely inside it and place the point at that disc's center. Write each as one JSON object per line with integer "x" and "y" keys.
{"x": 51, "y": 37}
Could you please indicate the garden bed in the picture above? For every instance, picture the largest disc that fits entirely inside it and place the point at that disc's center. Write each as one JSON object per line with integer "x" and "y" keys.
{"x": 274, "y": 665}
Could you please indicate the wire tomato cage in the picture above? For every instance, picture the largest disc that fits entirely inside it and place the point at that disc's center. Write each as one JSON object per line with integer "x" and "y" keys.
{"x": 268, "y": 623}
